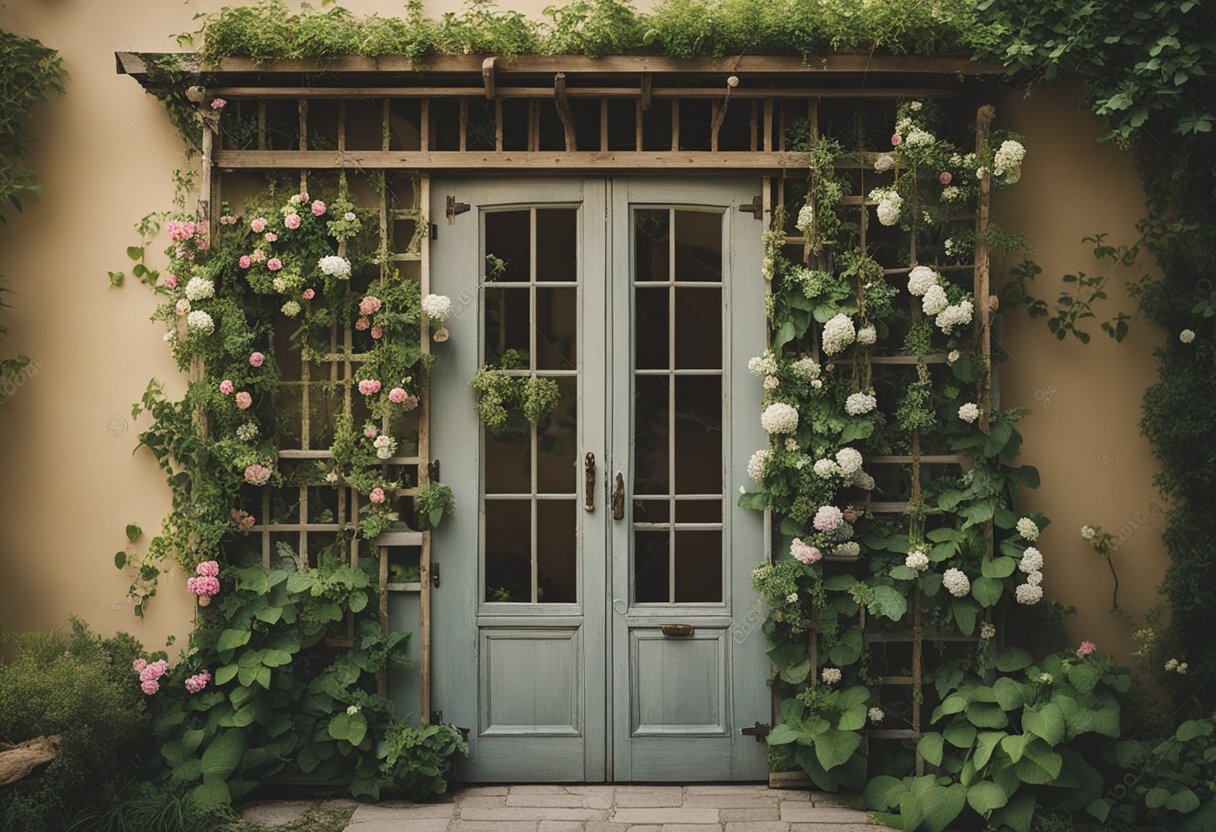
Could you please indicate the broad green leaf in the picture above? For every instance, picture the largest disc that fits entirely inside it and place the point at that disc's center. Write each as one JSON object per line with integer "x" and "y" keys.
{"x": 1039, "y": 764}
{"x": 930, "y": 747}
{"x": 965, "y": 613}
{"x": 339, "y": 726}
{"x": 1001, "y": 567}
{"x": 120, "y": 559}
{"x": 212, "y": 792}
{"x": 263, "y": 677}
{"x": 1193, "y": 728}
{"x": 245, "y": 716}
{"x": 960, "y": 736}
{"x": 780, "y": 735}
{"x": 133, "y": 532}
{"x": 1009, "y": 694}
{"x": 888, "y": 602}
{"x": 985, "y": 743}
{"x": 191, "y": 740}
{"x": 358, "y": 728}
{"x": 1012, "y": 658}
{"x": 796, "y": 674}
{"x": 135, "y": 252}
{"x": 1099, "y": 809}
{"x": 223, "y": 754}
{"x": 1018, "y": 814}
{"x": 985, "y": 796}
{"x": 1084, "y": 676}
{"x": 1155, "y": 798}
{"x": 986, "y": 715}
{"x": 834, "y": 748}
{"x": 853, "y": 696}
{"x": 232, "y": 639}
{"x": 1184, "y": 802}
{"x": 941, "y": 805}
{"x": 848, "y": 649}
{"x": 270, "y": 615}
{"x": 1045, "y": 722}
{"x": 883, "y": 792}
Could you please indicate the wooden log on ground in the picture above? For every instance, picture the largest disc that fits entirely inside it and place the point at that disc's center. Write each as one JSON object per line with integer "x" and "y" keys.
{"x": 18, "y": 761}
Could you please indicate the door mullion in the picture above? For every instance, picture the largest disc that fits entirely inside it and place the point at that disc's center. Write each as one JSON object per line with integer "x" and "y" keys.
{"x": 534, "y": 484}
{"x": 671, "y": 405}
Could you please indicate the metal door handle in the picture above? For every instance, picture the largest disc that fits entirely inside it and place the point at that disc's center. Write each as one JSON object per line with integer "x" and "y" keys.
{"x": 589, "y": 482}
{"x": 677, "y": 630}
{"x": 618, "y": 498}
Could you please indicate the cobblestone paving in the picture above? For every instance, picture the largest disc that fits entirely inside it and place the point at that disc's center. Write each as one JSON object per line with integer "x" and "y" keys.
{"x": 616, "y": 809}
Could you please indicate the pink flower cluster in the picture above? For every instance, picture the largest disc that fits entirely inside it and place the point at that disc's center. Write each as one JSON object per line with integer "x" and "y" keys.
{"x": 1087, "y": 648}
{"x": 318, "y": 207}
{"x": 180, "y": 232}
{"x": 370, "y": 305}
{"x": 377, "y": 496}
{"x": 197, "y": 682}
{"x": 369, "y": 387}
{"x": 226, "y": 387}
{"x": 149, "y": 674}
{"x": 243, "y": 400}
{"x": 274, "y": 264}
{"x": 308, "y": 294}
{"x": 256, "y": 359}
{"x": 292, "y": 221}
{"x": 257, "y": 474}
{"x": 218, "y": 103}
{"x": 362, "y": 324}
{"x": 206, "y": 583}
{"x": 169, "y": 280}
{"x": 945, "y": 177}
{"x": 244, "y": 262}
{"x": 258, "y": 224}
{"x": 804, "y": 552}
{"x": 377, "y": 333}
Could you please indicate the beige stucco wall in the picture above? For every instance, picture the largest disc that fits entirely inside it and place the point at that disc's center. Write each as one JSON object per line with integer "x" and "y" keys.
{"x": 104, "y": 154}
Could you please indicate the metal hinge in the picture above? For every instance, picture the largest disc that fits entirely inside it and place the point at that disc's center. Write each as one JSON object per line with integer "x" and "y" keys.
{"x": 755, "y": 208}
{"x": 435, "y": 574}
{"x": 432, "y": 470}
{"x": 759, "y": 731}
{"x": 434, "y": 231}
{"x": 454, "y": 208}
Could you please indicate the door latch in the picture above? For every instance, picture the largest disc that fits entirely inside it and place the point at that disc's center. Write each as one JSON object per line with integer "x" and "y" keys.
{"x": 589, "y": 482}
{"x": 677, "y": 630}
{"x": 759, "y": 731}
{"x": 618, "y": 498}
{"x": 755, "y": 208}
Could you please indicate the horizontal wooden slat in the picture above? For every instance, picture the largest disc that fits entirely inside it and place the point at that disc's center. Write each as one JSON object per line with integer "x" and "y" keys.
{"x": 537, "y": 162}
{"x": 801, "y": 93}
{"x": 409, "y": 586}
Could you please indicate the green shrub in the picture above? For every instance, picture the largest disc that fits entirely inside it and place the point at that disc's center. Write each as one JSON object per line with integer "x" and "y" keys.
{"x": 79, "y": 686}
{"x": 416, "y": 761}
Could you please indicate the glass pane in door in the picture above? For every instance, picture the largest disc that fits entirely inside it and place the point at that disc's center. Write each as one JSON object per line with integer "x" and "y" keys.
{"x": 677, "y": 370}
{"x": 530, "y": 475}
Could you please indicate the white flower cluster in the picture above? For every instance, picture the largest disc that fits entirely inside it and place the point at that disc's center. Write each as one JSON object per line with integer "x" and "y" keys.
{"x": 1088, "y": 532}
{"x": 950, "y": 193}
{"x": 987, "y": 631}
{"x": 849, "y": 460}
{"x": 247, "y": 431}
{"x": 956, "y": 583}
{"x": 779, "y": 417}
{"x": 957, "y": 314}
{"x": 867, "y": 335}
{"x": 437, "y": 307}
{"x": 771, "y": 383}
{"x": 1175, "y": 666}
{"x": 860, "y": 403}
{"x": 851, "y": 549}
{"x": 806, "y": 218}
{"x": 831, "y": 675}
{"x": 917, "y": 559}
{"x": 828, "y": 518}
{"x": 334, "y": 266}
{"x": 875, "y": 715}
{"x": 290, "y": 309}
{"x": 1028, "y": 529}
{"x": 826, "y": 468}
{"x": 807, "y": 369}
{"x": 762, "y": 365}
{"x": 920, "y": 280}
{"x": 969, "y": 412}
{"x": 1187, "y": 336}
{"x": 1031, "y": 565}
{"x": 200, "y": 288}
{"x": 838, "y": 333}
{"x": 1008, "y": 160}
{"x": 200, "y": 323}
{"x": 385, "y": 446}
{"x": 1032, "y": 560}
{"x": 889, "y": 203}
{"x": 884, "y": 163}
{"x": 918, "y": 137}
{"x": 934, "y": 301}
{"x": 757, "y": 464}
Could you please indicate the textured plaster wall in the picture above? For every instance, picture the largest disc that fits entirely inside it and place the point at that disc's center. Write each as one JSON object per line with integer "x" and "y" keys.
{"x": 69, "y": 482}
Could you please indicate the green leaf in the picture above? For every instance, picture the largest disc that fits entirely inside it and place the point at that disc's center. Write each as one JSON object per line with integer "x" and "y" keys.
{"x": 339, "y": 726}
{"x": 191, "y": 740}
{"x": 986, "y": 715}
{"x": 1184, "y": 802}
{"x": 834, "y": 748}
{"x": 231, "y": 639}
{"x": 1018, "y": 814}
{"x": 1099, "y": 809}
{"x": 964, "y": 615}
{"x": 262, "y": 677}
{"x": 848, "y": 649}
{"x": 955, "y": 703}
{"x": 985, "y": 743}
{"x": 883, "y": 792}
{"x": 986, "y": 796}
{"x": 1193, "y": 728}
{"x": 135, "y": 252}
{"x": 1011, "y": 659}
{"x": 270, "y": 615}
{"x": 987, "y": 591}
{"x": 120, "y": 559}
{"x": 226, "y": 674}
{"x": 796, "y": 674}
{"x": 930, "y": 747}
{"x": 223, "y": 754}
{"x": 299, "y": 582}
{"x": 116, "y": 278}
{"x": 887, "y": 601}
{"x": 1045, "y": 722}
{"x": 960, "y": 736}
{"x": 940, "y": 806}
{"x": 782, "y": 734}
{"x": 1001, "y": 567}
{"x": 1039, "y": 765}
{"x": 358, "y": 728}
{"x": 1015, "y": 745}
{"x": 1084, "y": 676}
{"x": 1155, "y": 798}
{"x": 133, "y": 532}
{"x": 1009, "y": 694}
{"x": 212, "y": 792}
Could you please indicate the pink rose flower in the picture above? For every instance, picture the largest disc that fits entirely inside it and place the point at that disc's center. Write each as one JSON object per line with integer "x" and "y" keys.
{"x": 377, "y": 496}
{"x": 149, "y": 686}
{"x": 256, "y": 359}
{"x": 396, "y": 395}
{"x": 377, "y": 333}
{"x": 292, "y": 221}
{"x": 138, "y": 665}
{"x": 258, "y": 224}
{"x": 411, "y": 401}
{"x": 170, "y": 280}
{"x": 218, "y": 103}
{"x": 303, "y": 196}
{"x": 208, "y": 568}
{"x": 243, "y": 400}
{"x": 370, "y": 430}
{"x": 946, "y": 177}
{"x": 257, "y": 474}
{"x": 804, "y": 552}
{"x": 244, "y": 262}
{"x": 369, "y": 387}
{"x": 370, "y": 305}
{"x": 896, "y": 139}
{"x": 226, "y": 387}
{"x": 318, "y": 207}
{"x": 308, "y": 294}
{"x": 1087, "y": 648}
{"x": 270, "y": 237}
{"x": 362, "y": 324}
{"x": 274, "y": 264}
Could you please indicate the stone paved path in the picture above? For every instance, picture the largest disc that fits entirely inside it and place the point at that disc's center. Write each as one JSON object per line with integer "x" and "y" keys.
{"x": 616, "y": 809}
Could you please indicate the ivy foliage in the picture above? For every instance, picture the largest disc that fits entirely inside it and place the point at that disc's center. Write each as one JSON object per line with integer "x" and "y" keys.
{"x": 29, "y": 71}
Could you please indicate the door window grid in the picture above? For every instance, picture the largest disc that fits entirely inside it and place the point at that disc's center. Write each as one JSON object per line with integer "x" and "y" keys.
{"x": 550, "y": 546}
{"x": 671, "y": 507}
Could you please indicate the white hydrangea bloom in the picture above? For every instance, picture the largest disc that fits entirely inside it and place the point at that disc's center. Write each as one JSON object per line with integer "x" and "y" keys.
{"x": 779, "y": 417}
{"x": 247, "y": 432}
{"x": 828, "y": 518}
{"x": 831, "y": 675}
{"x": 916, "y": 106}
{"x": 867, "y": 335}
{"x": 954, "y": 315}
{"x": 791, "y": 444}
{"x": 1035, "y": 578}
{"x": 921, "y": 137}
{"x": 805, "y": 368}
{"x": 950, "y": 193}
{"x": 1032, "y": 560}
{"x": 1028, "y": 529}
{"x": 838, "y": 333}
{"x": 771, "y": 383}
{"x": 437, "y": 307}
{"x": 917, "y": 559}
{"x": 969, "y": 412}
{"x": 826, "y": 468}
{"x": 199, "y": 322}
{"x": 385, "y": 446}
{"x": 956, "y": 583}
{"x": 1028, "y": 594}
{"x": 1088, "y": 532}
{"x": 849, "y": 460}
{"x": 334, "y": 266}
{"x": 889, "y": 204}
{"x": 1182, "y": 668}
{"x": 920, "y": 279}
{"x": 935, "y": 300}
{"x": 875, "y": 715}
{"x": 1046, "y": 678}
{"x": 290, "y": 309}
{"x": 762, "y": 365}
{"x": 863, "y": 481}
{"x": 1186, "y": 336}
{"x": 792, "y": 598}
{"x": 279, "y": 285}
{"x": 851, "y": 549}
{"x": 1008, "y": 160}
{"x": 806, "y": 218}
{"x": 859, "y": 403}
{"x": 200, "y": 288}
{"x": 1171, "y": 665}
{"x": 757, "y": 464}
{"x": 987, "y": 631}
{"x": 182, "y": 307}
{"x": 884, "y": 163}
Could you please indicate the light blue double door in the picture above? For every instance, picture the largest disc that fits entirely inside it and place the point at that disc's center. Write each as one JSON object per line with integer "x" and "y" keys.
{"x": 595, "y": 619}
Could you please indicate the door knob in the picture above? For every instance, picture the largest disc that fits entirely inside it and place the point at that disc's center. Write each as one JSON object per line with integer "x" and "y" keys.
{"x": 589, "y": 482}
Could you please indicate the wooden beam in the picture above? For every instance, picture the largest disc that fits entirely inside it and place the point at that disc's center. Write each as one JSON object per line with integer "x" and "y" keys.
{"x": 564, "y": 112}
{"x": 500, "y": 92}
{"x": 512, "y": 160}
